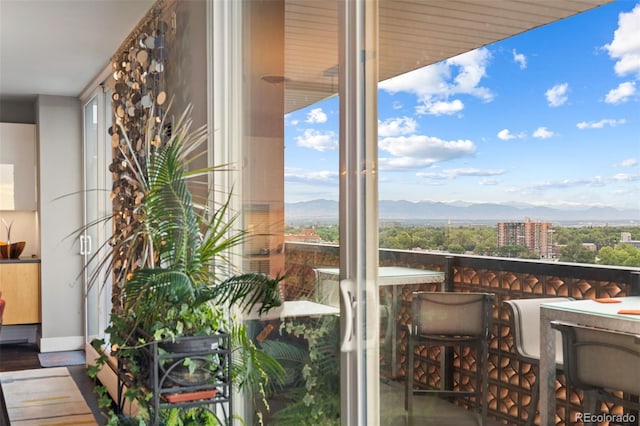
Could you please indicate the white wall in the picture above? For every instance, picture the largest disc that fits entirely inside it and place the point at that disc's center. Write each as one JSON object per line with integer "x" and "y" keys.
{"x": 59, "y": 122}
{"x": 24, "y": 228}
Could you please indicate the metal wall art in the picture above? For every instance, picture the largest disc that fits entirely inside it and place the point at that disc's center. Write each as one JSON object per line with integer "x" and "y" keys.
{"x": 138, "y": 100}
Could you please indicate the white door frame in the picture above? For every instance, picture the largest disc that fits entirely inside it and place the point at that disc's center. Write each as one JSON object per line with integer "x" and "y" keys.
{"x": 359, "y": 304}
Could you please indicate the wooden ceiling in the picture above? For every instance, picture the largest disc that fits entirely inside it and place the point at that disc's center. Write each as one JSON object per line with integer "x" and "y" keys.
{"x": 412, "y": 34}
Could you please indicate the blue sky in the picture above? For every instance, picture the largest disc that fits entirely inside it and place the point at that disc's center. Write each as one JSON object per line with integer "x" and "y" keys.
{"x": 549, "y": 117}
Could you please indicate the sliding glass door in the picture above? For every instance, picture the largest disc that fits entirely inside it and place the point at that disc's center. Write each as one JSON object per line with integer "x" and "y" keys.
{"x": 97, "y": 296}
{"x": 277, "y": 139}
{"x": 358, "y": 223}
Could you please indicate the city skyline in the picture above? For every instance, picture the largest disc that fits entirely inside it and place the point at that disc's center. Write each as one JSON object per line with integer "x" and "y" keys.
{"x": 549, "y": 117}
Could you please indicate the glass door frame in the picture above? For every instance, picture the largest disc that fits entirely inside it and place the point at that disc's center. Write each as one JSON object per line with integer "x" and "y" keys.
{"x": 358, "y": 184}
{"x": 99, "y": 229}
{"x": 358, "y": 223}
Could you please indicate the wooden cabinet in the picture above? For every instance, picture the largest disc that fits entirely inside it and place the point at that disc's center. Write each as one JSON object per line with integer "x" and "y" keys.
{"x": 18, "y": 166}
{"x": 20, "y": 286}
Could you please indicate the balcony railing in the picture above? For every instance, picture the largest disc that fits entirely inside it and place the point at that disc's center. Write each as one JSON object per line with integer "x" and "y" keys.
{"x": 510, "y": 378}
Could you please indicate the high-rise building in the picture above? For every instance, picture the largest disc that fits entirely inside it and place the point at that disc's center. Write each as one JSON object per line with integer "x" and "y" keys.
{"x": 535, "y": 236}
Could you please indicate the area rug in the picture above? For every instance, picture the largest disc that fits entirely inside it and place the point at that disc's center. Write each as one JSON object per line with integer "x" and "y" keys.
{"x": 47, "y": 396}
{"x": 61, "y": 359}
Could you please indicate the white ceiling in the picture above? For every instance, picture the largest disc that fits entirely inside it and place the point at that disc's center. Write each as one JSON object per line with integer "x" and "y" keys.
{"x": 57, "y": 47}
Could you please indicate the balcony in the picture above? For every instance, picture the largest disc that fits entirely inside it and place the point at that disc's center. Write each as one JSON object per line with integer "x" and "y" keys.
{"x": 510, "y": 378}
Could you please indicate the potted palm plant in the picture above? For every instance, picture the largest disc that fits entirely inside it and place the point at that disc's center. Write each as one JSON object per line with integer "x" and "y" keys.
{"x": 175, "y": 277}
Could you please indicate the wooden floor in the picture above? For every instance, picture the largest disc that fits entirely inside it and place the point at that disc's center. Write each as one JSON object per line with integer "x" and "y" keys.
{"x": 14, "y": 357}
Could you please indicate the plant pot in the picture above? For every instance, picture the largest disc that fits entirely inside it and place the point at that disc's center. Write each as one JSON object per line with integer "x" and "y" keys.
{"x": 178, "y": 374}
{"x": 202, "y": 358}
{"x": 192, "y": 344}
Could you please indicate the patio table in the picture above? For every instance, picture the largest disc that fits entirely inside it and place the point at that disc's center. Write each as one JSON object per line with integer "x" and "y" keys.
{"x": 393, "y": 277}
{"x": 293, "y": 309}
{"x": 585, "y": 312}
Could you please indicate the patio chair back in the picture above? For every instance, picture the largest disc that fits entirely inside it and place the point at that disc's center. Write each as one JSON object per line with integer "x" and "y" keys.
{"x": 601, "y": 363}
{"x": 525, "y": 330}
{"x": 525, "y": 327}
{"x": 600, "y": 359}
{"x": 451, "y": 319}
{"x": 456, "y": 315}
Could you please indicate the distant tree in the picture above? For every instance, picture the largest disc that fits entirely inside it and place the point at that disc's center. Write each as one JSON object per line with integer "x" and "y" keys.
{"x": 482, "y": 240}
{"x": 622, "y": 255}
{"x": 484, "y": 249}
{"x": 290, "y": 229}
{"x": 437, "y": 238}
{"x": 456, "y": 249}
{"x": 512, "y": 251}
{"x": 577, "y": 253}
{"x": 389, "y": 238}
{"x": 562, "y": 236}
{"x": 328, "y": 233}
{"x": 471, "y": 236}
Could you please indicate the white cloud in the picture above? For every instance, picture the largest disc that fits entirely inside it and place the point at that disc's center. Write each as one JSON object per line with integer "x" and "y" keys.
{"x": 505, "y": 135}
{"x": 543, "y": 133}
{"x": 588, "y": 181}
{"x": 473, "y": 67}
{"x": 629, "y": 162}
{"x": 622, "y": 93}
{"x": 519, "y": 59}
{"x": 397, "y": 126}
{"x": 557, "y": 95}
{"x": 315, "y": 177}
{"x": 625, "y": 46}
{"x": 454, "y": 173}
{"x": 404, "y": 163}
{"x": 320, "y": 141}
{"x": 427, "y": 147}
{"x": 425, "y": 82}
{"x": 488, "y": 182}
{"x": 600, "y": 124}
{"x": 440, "y": 107}
{"x": 567, "y": 183}
{"x": 625, "y": 177}
{"x": 316, "y": 115}
{"x": 419, "y": 151}
{"x": 288, "y": 121}
{"x": 435, "y": 84}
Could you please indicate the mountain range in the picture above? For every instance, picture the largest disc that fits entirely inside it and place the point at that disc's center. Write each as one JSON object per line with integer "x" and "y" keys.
{"x": 431, "y": 211}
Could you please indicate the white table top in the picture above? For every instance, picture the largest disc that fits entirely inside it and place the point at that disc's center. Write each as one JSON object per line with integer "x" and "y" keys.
{"x": 394, "y": 275}
{"x": 585, "y": 312}
{"x": 294, "y": 309}
{"x": 593, "y": 307}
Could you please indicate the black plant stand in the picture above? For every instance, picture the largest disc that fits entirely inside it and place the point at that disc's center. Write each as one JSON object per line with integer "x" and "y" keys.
{"x": 171, "y": 385}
